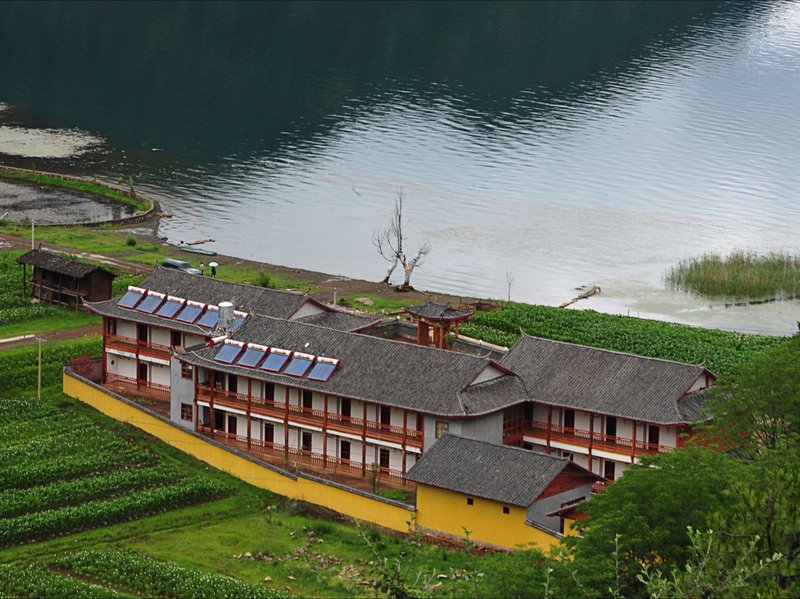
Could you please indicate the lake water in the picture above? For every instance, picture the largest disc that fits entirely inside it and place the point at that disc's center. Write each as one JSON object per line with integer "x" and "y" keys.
{"x": 567, "y": 144}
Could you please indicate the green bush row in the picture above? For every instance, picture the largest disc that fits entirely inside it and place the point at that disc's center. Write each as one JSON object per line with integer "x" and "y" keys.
{"x": 721, "y": 351}
{"x": 15, "y": 502}
{"x": 156, "y": 578}
{"x": 41, "y": 525}
{"x": 43, "y": 472}
{"x": 19, "y": 367}
{"x": 72, "y": 442}
{"x": 36, "y": 580}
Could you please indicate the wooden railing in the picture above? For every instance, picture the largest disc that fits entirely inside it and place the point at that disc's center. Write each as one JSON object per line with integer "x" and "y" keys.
{"x": 135, "y": 345}
{"x": 584, "y": 438}
{"x": 296, "y": 455}
{"x": 336, "y": 422}
{"x": 129, "y": 386}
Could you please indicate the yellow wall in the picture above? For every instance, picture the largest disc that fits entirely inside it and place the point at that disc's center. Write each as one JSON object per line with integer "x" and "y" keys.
{"x": 448, "y": 511}
{"x": 340, "y": 500}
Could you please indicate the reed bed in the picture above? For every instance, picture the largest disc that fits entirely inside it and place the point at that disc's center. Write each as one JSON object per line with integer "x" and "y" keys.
{"x": 742, "y": 276}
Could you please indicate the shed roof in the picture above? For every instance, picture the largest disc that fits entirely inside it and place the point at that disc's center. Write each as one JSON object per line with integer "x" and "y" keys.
{"x": 501, "y": 473}
{"x": 436, "y": 311}
{"x": 373, "y": 369}
{"x": 59, "y": 264}
{"x": 602, "y": 381}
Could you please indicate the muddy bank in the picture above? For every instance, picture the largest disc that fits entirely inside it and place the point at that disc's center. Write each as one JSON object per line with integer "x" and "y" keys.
{"x": 53, "y": 206}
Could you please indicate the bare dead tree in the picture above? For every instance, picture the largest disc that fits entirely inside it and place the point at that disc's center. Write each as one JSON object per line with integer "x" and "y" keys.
{"x": 509, "y": 281}
{"x": 388, "y": 241}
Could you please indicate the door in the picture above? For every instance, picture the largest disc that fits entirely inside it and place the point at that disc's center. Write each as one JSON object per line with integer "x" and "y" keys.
{"x": 233, "y": 383}
{"x": 344, "y": 451}
{"x": 142, "y": 372}
{"x": 306, "y": 442}
{"x": 232, "y": 425}
{"x": 609, "y": 470}
{"x": 308, "y": 400}
{"x": 611, "y": 427}
{"x": 569, "y": 419}
{"x": 141, "y": 333}
{"x": 345, "y": 408}
{"x": 384, "y": 458}
{"x": 653, "y": 435}
{"x": 175, "y": 339}
{"x": 386, "y": 416}
{"x": 269, "y": 433}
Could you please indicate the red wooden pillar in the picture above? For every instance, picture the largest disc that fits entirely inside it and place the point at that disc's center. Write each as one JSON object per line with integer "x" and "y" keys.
{"x": 423, "y": 333}
{"x": 212, "y": 380}
{"x": 405, "y": 439}
{"x": 591, "y": 439}
{"x": 286, "y": 422}
{"x": 325, "y": 433}
{"x": 249, "y": 408}
{"x": 633, "y": 444}
{"x": 195, "y": 380}
{"x": 105, "y": 342}
{"x": 364, "y": 441}
{"x": 549, "y": 426}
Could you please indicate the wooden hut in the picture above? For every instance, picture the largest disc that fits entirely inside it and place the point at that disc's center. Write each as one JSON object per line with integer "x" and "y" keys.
{"x": 62, "y": 281}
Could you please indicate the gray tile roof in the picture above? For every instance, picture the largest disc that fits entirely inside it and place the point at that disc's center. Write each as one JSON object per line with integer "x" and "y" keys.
{"x": 247, "y": 298}
{"x": 437, "y": 311}
{"x": 372, "y": 369}
{"x": 341, "y": 321}
{"x": 55, "y": 263}
{"x": 601, "y": 381}
{"x": 498, "y": 472}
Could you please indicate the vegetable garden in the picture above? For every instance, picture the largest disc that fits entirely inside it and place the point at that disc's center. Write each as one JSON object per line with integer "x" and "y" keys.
{"x": 720, "y": 351}
{"x": 62, "y": 473}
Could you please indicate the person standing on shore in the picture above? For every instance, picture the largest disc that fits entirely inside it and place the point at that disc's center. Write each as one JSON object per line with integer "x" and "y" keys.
{"x": 202, "y": 268}
{"x": 213, "y": 272}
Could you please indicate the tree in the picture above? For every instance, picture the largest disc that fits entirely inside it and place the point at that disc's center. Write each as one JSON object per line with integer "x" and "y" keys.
{"x": 388, "y": 241}
{"x": 758, "y": 408}
{"x": 647, "y": 512}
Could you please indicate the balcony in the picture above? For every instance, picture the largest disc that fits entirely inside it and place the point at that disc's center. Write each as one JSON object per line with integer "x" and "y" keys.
{"x": 146, "y": 348}
{"x": 313, "y": 417}
{"x": 128, "y": 386}
{"x": 277, "y": 453}
{"x": 595, "y": 440}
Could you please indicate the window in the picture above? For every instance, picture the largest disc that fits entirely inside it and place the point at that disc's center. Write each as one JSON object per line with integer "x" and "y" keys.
{"x": 506, "y": 509}
{"x": 111, "y": 326}
{"x": 568, "y": 455}
{"x": 269, "y": 391}
{"x": 344, "y": 450}
{"x": 306, "y": 441}
{"x": 441, "y": 428}
{"x": 187, "y": 370}
{"x": 187, "y": 412}
{"x": 308, "y": 399}
{"x": 470, "y": 501}
{"x": 383, "y": 456}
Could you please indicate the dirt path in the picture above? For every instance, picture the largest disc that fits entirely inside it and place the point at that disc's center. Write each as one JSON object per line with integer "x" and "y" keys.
{"x": 59, "y": 334}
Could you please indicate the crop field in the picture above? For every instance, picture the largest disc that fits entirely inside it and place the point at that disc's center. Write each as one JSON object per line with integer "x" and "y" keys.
{"x": 61, "y": 473}
{"x": 720, "y": 351}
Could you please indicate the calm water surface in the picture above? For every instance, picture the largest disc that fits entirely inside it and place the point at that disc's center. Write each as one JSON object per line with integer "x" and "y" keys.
{"x": 566, "y": 143}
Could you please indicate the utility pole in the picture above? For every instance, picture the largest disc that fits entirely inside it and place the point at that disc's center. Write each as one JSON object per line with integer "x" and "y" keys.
{"x": 39, "y": 381}
{"x": 33, "y": 235}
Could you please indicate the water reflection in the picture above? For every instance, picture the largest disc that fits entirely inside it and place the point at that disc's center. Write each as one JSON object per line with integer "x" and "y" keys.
{"x": 569, "y": 143}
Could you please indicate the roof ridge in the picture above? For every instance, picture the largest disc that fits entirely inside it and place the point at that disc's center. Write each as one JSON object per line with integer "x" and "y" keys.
{"x": 502, "y": 446}
{"x": 160, "y": 268}
{"x": 608, "y": 351}
{"x": 374, "y": 338}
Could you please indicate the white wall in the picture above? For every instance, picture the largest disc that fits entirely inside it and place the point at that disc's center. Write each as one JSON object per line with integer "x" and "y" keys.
{"x": 160, "y": 335}
{"x": 126, "y": 329}
{"x": 159, "y": 374}
{"x": 121, "y": 365}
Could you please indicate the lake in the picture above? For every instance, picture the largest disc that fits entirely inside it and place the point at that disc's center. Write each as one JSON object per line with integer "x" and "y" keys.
{"x": 561, "y": 144}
